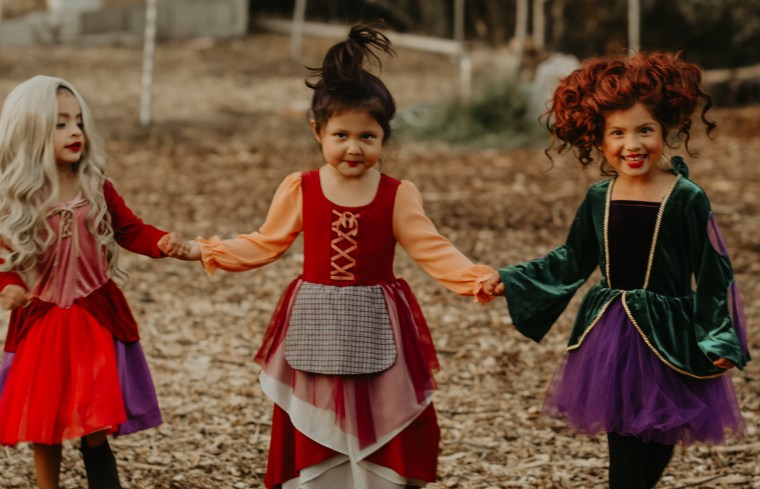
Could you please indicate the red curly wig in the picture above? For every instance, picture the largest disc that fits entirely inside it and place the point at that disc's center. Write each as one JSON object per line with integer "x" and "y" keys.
{"x": 665, "y": 84}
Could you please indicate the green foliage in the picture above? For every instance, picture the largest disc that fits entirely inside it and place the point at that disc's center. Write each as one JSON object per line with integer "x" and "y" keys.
{"x": 496, "y": 116}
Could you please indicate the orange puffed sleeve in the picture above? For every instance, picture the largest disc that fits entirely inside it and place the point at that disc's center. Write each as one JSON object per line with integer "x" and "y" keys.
{"x": 283, "y": 223}
{"x": 434, "y": 253}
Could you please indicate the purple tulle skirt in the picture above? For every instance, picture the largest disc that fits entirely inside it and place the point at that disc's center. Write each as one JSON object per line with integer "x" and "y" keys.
{"x": 615, "y": 383}
{"x": 136, "y": 383}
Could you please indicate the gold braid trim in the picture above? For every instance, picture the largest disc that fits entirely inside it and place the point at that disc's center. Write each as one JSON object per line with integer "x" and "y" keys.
{"x": 607, "y": 200}
{"x": 593, "y": 323}
{"x": 657, "y": 353}
{"x": 656, "y": 233}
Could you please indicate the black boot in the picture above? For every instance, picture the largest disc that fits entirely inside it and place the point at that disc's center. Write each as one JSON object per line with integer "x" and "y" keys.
{"x": 100, "y": 465}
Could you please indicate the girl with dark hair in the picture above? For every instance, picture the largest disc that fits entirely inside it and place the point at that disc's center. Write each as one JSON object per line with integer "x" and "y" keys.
{"x": 648, "y": 356}
{"x": 347, "y": 358}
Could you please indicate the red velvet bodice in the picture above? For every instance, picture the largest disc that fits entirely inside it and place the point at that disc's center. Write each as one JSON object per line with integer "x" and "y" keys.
{"x": 348, "y": 245}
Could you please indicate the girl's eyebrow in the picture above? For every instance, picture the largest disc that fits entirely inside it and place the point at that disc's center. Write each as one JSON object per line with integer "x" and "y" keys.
{"x": 648, "y": 123}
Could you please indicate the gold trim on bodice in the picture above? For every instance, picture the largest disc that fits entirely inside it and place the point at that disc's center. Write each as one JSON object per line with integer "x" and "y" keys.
{"x": 656, "y": 352}
{"x": 67, "y": 225}
{"x": 655, "y": 235}
{"x": 623, "y": 294}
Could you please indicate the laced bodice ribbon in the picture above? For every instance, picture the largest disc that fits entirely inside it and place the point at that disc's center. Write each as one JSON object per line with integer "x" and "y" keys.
{"x": 67, "y": 228}
{"x": 345, "y": 229}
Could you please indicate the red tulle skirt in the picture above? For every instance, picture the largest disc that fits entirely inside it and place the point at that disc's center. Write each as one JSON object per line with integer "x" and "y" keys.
{"x": 412, "y": 454}
{"x": 63, "y": 382}
{"x": 385, "y": 419}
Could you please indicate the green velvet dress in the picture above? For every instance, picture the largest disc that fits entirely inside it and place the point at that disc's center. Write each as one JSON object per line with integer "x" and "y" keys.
{"x": 669, "y": 331}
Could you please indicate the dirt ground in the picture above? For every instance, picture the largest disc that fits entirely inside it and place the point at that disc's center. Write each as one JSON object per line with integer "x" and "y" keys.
{"x": 229, "y": 124}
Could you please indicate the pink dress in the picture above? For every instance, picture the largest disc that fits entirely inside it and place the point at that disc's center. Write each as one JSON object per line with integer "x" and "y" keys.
{"x": 72, "y": 363}
{"x": 374, "y": 429}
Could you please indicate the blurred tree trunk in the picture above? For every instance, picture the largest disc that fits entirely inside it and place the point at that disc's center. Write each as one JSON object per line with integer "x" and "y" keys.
{"x": 398, "y": 9}
{"x": 459, "y": 20}
{"x": 491, "y": 20}
{"x": 558, "y": 23}
{"x": 435, "y": 18}
{"x": 539, "y": 25}
{"x": 296, "y": 35}
{"x": 634, "y": 25}
{"x": 521, "y": 31}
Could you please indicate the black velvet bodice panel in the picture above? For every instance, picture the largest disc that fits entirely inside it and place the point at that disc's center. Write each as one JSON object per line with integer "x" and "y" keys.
{"x": 631, "y": 227}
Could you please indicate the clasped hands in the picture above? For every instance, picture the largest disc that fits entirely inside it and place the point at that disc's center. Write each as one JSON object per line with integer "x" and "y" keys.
{"x": 176, "y": 246}
{"x": 494, "y": 285}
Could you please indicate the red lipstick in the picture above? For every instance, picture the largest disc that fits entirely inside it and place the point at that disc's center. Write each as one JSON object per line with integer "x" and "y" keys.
{"x": 638, "y": 160}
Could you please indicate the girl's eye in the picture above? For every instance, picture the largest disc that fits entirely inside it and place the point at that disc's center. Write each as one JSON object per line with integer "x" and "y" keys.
{"x": 60, "y": 125}
{"x": 80, "y": 125}
{"x": 340, "y": 135}
{"x": 646, "y": 129}
{"x": 368, "y": 137}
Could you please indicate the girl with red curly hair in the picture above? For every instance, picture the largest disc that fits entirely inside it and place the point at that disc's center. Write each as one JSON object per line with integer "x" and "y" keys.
{"x": 648, "y": 357}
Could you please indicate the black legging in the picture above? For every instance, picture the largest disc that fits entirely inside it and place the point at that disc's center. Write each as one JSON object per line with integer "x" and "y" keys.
{"x": 635, "y": 464}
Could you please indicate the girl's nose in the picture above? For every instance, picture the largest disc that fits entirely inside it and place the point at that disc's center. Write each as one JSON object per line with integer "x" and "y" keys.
{"x": 632, "y": 142}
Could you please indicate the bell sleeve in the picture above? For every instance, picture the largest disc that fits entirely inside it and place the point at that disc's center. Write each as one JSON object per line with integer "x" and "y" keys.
{"x": 719, "y": 316}
{"x": 538, "y": 291}
{"x": 434, "y": 253}
{"x": 283, "y": 223}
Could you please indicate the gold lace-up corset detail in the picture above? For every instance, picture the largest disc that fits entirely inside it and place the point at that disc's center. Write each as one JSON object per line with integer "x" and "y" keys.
{"x": 345, "y": 228}
{"x": 67, "y": 226}
{"x": 66, "y": 217}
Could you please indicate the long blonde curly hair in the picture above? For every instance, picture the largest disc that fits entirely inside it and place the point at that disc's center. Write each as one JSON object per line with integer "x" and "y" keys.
{"x": 29, "y": 179}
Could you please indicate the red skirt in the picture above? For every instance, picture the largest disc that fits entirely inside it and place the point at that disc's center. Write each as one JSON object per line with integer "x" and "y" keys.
{"x": 385, "y": 419}
{"x": 63, "y": 382}
{"x": 412, "y": 454}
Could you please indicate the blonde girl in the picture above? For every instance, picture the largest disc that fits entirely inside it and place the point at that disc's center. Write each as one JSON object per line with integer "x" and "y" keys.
{"x": 72, "y": 364}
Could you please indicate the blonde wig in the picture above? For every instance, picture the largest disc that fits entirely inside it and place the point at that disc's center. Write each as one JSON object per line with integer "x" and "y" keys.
{"x": 29, "y": 180}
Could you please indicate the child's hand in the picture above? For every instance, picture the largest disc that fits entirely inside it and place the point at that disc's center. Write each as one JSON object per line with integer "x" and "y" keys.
{"x": 175, "y": 246}
{"x": 494, "y": 286}
{"x": 13, "y": 297}
{"x": 724, "y": 363}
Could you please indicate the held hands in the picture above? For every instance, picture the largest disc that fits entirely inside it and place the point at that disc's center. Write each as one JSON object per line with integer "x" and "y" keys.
{"x": 175, "y": 246}
{"x": 724, "y": 363}
{"x": 494, "y": 285}
{"x": 13, "y": 297}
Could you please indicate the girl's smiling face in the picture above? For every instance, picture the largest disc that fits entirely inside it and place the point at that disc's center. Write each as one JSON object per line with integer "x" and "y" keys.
{"x": 352, "y": 142}
{"x": 633, "y": 142}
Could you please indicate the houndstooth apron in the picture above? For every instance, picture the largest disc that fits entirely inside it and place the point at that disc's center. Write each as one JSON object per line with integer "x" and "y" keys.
{"x": 340, "y": 330}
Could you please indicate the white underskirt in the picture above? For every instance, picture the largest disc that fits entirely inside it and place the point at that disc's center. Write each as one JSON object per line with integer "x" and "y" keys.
{"x": 340, "y": 472}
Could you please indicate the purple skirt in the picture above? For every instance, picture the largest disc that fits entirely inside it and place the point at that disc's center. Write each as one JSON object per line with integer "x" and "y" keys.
{"x": 137, "y": 390}
{"x": 615, "y": 383}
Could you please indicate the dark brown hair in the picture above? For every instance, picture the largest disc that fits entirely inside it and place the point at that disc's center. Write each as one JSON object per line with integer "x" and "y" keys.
{"x": 343, "y": 84}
